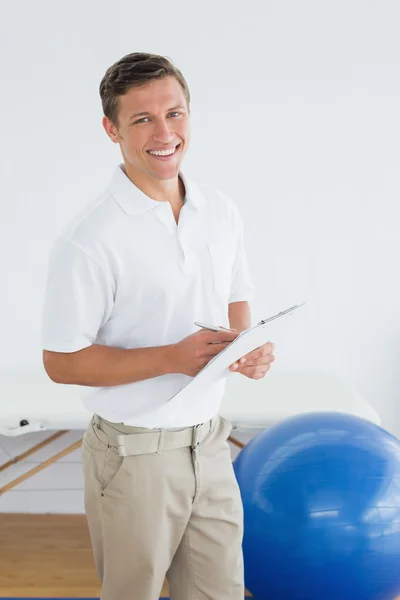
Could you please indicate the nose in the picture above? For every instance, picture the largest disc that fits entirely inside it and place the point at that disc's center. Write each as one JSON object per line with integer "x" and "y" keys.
{"x": 162, "y": 132}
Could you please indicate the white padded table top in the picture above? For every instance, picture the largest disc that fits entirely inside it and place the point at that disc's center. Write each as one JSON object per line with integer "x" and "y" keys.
{"x": 33, "y": 397}
{"x": 262, "y": 403}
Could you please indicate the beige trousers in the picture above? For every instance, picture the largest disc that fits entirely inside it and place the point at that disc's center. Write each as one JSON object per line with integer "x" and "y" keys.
{"x": 155, "y": 510}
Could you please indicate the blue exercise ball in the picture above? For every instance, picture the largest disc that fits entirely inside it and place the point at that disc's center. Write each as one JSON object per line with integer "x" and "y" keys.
{"x": 321, "y": 498}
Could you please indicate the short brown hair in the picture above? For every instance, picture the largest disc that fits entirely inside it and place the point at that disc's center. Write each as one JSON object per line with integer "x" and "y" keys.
{"x": 134, "y": 70}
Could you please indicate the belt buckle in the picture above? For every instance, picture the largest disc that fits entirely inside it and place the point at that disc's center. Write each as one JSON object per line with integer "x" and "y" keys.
{"x": 196, "y": 436}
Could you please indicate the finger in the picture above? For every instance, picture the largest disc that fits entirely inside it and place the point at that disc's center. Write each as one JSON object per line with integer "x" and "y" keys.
{"x": 230, "y": 329}
{"x": 259, "y": 370}
{"x": 220, "y": 337}
{"x": 234, "y": 366}
{"x": 214, "y": 349}
{"x": 265, "y": 360}
{"x": 265, "y": 350}
{"x": 254, "y": 377}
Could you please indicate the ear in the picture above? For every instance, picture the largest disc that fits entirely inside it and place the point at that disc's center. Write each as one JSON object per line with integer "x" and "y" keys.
{"x": 110, "y": 130}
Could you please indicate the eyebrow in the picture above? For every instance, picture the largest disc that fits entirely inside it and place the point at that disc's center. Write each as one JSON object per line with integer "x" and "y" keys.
{"x": 144, "y": 113}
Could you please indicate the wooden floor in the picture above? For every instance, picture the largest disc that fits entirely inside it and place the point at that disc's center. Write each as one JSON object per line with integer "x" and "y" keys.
{"x": 47, "y": 556}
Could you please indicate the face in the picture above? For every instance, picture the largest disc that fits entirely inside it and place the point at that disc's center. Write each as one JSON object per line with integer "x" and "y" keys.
{"x": 153, "y": 119}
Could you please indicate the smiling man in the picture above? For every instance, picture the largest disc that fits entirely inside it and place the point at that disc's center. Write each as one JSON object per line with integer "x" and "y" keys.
{"x": 127, "y": 279}
{"x": 152, "y": 128}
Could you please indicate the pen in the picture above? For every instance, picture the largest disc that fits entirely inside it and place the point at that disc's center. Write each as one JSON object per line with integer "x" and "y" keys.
{"x": 211, "y": 327}
{"x": 263, "y": 322}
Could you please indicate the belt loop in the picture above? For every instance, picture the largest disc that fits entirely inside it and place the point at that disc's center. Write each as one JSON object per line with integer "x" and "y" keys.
{"x": 160, "y": 440}
{"x": 121, "y": 445}
{"x": 196, "y": 436}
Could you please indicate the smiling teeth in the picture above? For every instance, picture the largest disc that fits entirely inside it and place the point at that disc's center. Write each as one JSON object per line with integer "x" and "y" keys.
{"x": 162, "y": 152}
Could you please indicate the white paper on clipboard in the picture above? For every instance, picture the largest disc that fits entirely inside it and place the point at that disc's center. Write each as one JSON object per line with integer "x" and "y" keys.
{"x": 218, "y": 368}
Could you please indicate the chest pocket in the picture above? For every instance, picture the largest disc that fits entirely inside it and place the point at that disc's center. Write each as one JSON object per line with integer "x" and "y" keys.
{"x": 221, "y": 266}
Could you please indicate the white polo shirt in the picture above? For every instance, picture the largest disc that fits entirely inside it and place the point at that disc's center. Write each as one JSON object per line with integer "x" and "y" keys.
{"x": 123, "y": 273}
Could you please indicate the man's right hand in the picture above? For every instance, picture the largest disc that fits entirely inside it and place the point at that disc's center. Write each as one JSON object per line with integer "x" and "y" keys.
{"x": 194, "y": 352}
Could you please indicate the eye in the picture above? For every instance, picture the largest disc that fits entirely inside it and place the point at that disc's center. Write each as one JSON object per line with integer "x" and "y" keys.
{"x": 143, "y": 119}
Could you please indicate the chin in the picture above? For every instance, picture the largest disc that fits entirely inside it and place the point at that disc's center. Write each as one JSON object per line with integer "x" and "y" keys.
{"x": 168, "y": 172}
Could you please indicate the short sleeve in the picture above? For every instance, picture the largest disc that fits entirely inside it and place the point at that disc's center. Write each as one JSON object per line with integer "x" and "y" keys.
{"x": 78, "y": 299}
{"x": 242, "y": 288}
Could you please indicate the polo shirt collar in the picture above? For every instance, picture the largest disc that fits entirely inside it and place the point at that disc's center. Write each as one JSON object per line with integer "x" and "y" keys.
{"x": 133, "y": 201}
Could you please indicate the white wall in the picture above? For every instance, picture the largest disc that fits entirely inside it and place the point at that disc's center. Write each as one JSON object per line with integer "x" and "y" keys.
{"x": 295, "y": 115}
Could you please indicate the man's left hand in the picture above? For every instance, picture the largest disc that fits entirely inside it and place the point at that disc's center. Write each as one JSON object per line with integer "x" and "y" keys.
{"x": 257, "y": 363}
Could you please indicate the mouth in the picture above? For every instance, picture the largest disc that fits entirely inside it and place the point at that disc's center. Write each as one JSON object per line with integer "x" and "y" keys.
{"x": 164, "y": 155}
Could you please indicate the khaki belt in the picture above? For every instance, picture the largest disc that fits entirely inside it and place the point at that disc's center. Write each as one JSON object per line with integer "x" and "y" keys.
{"x": 130, "y": 444}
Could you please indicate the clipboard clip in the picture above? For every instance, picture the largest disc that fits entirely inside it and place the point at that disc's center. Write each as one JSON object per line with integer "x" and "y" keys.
{"x": 280, "y": 314}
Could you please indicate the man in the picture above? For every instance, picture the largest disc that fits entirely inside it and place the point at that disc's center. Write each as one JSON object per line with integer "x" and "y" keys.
{"x": 127, "y": 280}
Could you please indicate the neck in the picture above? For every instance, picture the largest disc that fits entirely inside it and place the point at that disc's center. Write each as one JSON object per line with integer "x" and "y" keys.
{"x": 162, "y": 190}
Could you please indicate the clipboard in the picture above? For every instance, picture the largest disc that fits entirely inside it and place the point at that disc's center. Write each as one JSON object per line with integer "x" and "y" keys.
{"x": 218, "y": 367}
